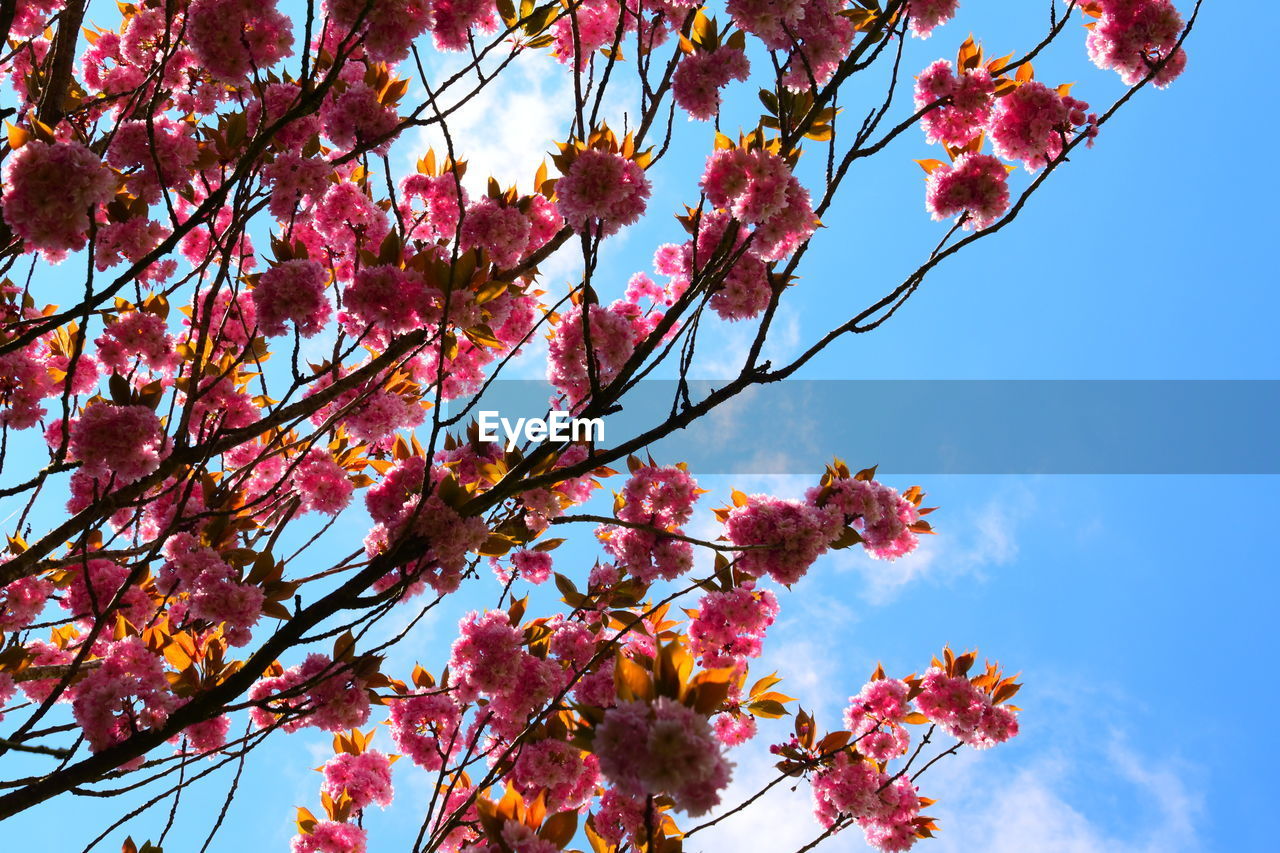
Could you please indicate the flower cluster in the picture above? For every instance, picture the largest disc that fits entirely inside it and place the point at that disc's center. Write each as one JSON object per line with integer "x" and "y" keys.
{"x": 927, "y": 15}
{"x": 757, "y": 188}
{"x": 233, "y": 38}
{"x": 782, "y": 538}
{"x": 701, "y": 75}
{"x": 1033, "y": 123}
{"x": 320, "y": 692}
{"x": 613, "y": 340}
{"x": 602, "y": 191}
{"x": 964, "y": 711}
{"x": 365, "y": 777}
{"x": 730, "y": 625}
{"x": 883, "y": 518}
{"x": 51, "y": 191}
{"x": 116, "y": 443}
{"x": 662, "y": 747}
{"x": 975, "y": 185}
{"x": 211, "y": 589}
{"x": 425, "y": 728}
{"x": 292, "y": 291}
{"x": 126, "y": 693}
{"x": 1134, "y": 37}
{"x": 969, "y": 99}
{"x": 568, "y": 774}
{"x": 329, "y": 836}
{"x": 885, "y": 808}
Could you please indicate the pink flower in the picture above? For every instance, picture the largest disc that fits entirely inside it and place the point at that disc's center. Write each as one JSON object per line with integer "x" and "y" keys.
{"x": 883, "y": 700}
{"x": 21, "y": 602}
{"x": 734, "y": 730}
{"x": 926, "y": 15}
{"x": 206, "y": 736}
{"x": 426, "y": 728}
{"x": 602, "y": 191}
{"x": 117, "y": 443}
{"x": 211, "y": 588}
{"x": 487, "y": 655}
{"x": 757, "y": 188}
{"x": 153, "y": 155}
{"x": 8, "y": 687}
{"x": 126, "y": 693}
{"x": 453, "y": 20}
{"x": 501, "y": 231}
{"x": 441, "y": 200}
{"x": 730, "y": 625}
{"x": 322, "y": 483}
{"x": 700, "y": 76}
{"x": 612, "y": 342}
{"x": 975, "y": 185}
{"x": 953, "y": 703}
{"x": 94, "y": 583}
{"x": 593, "y": 27}
{"x": 292, "y": 291}
{"x": 646, "y": 554}
{"x": 769, "y": 19}
{"x": 356, "y": 117}
{"x": 659, "y": 496}
{"x": 50, "y": 192}
{"x": 131, "y": 240}
{"x": 793, "y": 535}
{"x": 382, "y": 296}
{"x": 332, "y": 698}
{"x": 348, "y": 220}
{"x": 388, "y": 31}
{"x": 663, "y": 747}
{"x": 972, "y": 96}
{"x": 1033, "y": 123}
{"x": 533, "y": 566}
{"x": 620, "y": 816}
{"x": 568, "y": 774}
{"x": 24, "y": 381}
{"x": 136, "y": 335}
{"x": 277, "y": 101}
{"x": 1133, "y": 36}
{"x": 366, "y": 778}
{"x": 329, "y": 836}
{"x": 232, "y": 38}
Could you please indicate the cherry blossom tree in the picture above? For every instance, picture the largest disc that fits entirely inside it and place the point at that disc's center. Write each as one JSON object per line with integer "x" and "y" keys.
{"x": 232, "y": 317}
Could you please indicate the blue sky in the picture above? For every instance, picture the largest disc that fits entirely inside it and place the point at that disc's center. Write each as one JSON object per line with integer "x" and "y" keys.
{"x": 1137, "y": 608}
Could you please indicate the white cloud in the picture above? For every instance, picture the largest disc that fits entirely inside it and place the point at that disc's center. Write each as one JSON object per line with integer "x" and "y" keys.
{"x": 508, "y": 128}
{"x": 969, "y": 544}
{"x": 1032, "y": 809}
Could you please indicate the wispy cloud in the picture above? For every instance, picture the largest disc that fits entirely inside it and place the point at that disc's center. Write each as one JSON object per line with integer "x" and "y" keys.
{"x": 970, "y": 543}
{"x": 1036, "y": 809}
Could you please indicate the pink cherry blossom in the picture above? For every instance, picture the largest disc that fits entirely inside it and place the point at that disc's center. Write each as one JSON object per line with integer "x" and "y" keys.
{"x": 126, "y": 693}
{"x": 426, "y": 728}
{"x": 927, "y": 15}
{"x": 292, "y": 291}
{"x": 50, "y": 192}
{"x": 117, "y": 443}
{"x": 700, "y": 76}
{"x": 366, "y": 778}
{"x": 233, "y": 38}
{"x": 601, "y": 192}
{"x": 1132, "y": 36}
{"x": 1033, "y": 123}
{"x": 793, "y": 535}
{"x": 329, "y": 836}
{"x": 663, "y": 747}
{"x": 975, "y": 185}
